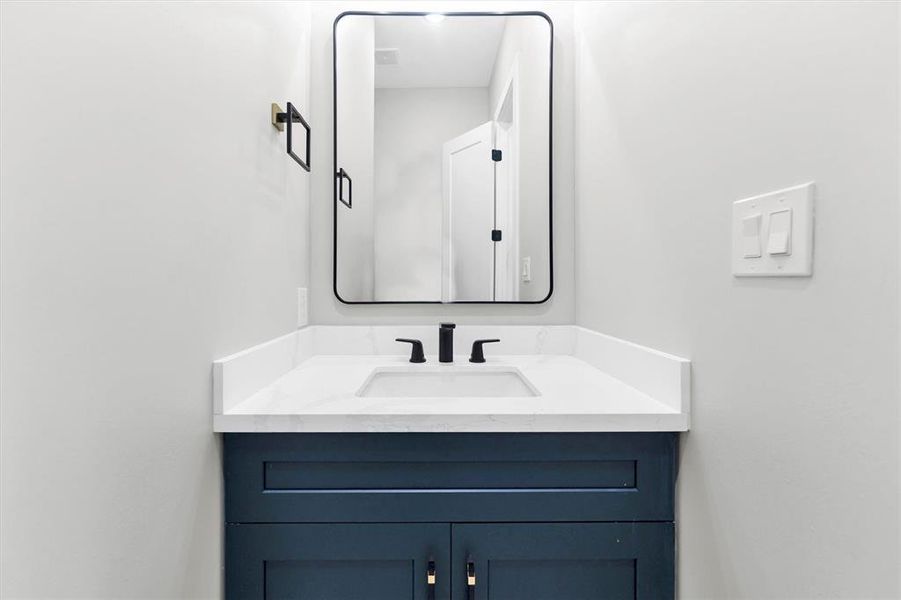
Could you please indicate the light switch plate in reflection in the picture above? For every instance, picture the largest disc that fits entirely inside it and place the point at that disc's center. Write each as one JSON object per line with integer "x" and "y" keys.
{"x": 302, "y": 308}
{"x": 780, "y": 224}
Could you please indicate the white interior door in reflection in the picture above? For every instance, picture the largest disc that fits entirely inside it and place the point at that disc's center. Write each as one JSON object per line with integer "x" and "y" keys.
{"x": 506, "y": 198}
{"x": 468, "y": 186}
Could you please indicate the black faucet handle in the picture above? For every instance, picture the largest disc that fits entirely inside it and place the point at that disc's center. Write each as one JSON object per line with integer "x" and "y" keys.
{"x": 416, "y": 354}
{"x": 447, "y": 325}
{"x": 478, "y": 355}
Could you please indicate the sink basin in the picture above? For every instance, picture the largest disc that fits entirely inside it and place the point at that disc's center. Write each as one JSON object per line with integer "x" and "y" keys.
{"x": 447, "y": 382}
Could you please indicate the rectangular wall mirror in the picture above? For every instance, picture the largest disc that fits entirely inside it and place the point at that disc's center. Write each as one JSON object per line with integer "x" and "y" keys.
{"x": 442, "y": 157}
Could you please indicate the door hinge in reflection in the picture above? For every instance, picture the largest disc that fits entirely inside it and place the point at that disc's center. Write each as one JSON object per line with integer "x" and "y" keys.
{"x": 496, "y": 155}
{"x": 496, "y": 235}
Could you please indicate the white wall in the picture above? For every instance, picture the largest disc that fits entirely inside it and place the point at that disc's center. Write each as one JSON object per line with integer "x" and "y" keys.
{"x": 356, "y": 131}
{"x": 150, "y": 222}
{"x": 411, "y": 125}
{"x": 788, "y": 480}
{"x": 325, "y": 308}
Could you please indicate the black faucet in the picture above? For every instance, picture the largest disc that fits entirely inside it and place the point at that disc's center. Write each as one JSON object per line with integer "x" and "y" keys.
{"x": 446, "y": 343}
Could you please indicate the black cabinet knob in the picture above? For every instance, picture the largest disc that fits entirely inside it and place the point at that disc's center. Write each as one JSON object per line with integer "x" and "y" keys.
{"x": 478, "y": 354}
{"x": 416, "y": 354}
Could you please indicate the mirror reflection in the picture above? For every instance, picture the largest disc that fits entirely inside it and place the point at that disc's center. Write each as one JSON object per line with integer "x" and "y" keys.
{"x": 442, "y": 158}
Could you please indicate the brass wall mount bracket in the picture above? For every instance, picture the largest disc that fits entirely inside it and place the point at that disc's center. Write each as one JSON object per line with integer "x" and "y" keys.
{"x": 276, "y": 111}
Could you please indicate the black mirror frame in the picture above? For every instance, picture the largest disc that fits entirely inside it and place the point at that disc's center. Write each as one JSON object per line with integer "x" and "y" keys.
{"x": 550, "y": 152}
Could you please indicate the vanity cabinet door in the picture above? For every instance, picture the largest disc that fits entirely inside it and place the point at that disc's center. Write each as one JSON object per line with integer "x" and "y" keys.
{"x": 556, "y": 561}
{"x": 337, "y": 561}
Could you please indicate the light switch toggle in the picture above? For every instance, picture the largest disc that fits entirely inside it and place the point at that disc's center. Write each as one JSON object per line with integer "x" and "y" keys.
{"x": 780, "y": 236}
{"x": 750, "y": 236}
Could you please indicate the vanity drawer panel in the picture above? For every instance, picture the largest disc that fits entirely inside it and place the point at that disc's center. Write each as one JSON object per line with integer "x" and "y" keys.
{"x": 310, "y": 478}
{"x": 445, "y": 474}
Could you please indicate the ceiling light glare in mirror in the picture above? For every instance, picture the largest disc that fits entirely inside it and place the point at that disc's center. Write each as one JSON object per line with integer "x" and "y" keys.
{"x": 434, "y": 18}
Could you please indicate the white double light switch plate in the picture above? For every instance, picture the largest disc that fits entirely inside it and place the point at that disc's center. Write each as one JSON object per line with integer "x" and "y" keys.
{"x": 772, "y": 234}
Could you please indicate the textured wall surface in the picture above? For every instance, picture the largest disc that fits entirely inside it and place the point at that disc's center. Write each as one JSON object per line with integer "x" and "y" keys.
{"x": 789, "y": 476}
{"x": 150, "y": 222}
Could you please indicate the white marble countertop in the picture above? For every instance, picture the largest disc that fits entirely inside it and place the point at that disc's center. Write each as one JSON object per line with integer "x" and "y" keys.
{"x": 318, "y": 393}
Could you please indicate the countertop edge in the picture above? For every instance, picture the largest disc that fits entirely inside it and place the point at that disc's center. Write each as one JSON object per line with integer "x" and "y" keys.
{"x": 439, "y": 423}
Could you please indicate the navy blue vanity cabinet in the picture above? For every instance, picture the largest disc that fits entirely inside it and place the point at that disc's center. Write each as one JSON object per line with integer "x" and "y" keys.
{"x": 336, "y": 561}
{"x": 557, "y": 561}
{"x": 523, "y": 516}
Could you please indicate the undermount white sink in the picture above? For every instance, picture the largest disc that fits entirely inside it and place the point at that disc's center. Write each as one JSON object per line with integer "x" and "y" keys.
{"x": 447, "y": 382}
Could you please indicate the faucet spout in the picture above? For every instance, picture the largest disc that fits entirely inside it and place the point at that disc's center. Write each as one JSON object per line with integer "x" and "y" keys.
{"x": 446, "y": 342}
